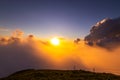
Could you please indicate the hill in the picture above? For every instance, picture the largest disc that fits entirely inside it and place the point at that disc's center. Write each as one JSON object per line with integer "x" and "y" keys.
{"x": 32, "y": 74}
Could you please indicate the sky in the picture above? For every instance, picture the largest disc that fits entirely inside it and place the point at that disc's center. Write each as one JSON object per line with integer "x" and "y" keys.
{"x": 45, "y": 18}
{"x": 26, "y": 23}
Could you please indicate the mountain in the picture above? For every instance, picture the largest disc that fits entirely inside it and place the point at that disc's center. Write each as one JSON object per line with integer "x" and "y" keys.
{"x": 32, "y": 74}
{"x": 105, "y": 33}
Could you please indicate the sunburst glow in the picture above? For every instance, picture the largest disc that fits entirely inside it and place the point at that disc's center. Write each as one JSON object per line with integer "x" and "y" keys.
{"x": 55, "y": 41}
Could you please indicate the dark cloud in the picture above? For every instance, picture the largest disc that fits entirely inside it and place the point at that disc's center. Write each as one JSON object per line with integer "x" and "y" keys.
{"x": 105, "y": 33}
{"x": 77, "y": 41}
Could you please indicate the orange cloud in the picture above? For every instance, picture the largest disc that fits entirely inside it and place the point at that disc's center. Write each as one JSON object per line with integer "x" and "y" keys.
{"x": 18, "y": 52}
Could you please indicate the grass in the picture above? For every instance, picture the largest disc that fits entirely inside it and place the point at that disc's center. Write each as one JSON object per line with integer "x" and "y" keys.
{"x": 32, "y": 74}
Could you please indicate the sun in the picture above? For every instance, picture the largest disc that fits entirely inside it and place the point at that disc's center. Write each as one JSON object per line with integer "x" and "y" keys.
{"x": 55, "y": 41}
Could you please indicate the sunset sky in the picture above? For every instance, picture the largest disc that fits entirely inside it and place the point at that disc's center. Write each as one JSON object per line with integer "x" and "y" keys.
{"x": 44, "y": 34}
{"x": 46, "y": 18}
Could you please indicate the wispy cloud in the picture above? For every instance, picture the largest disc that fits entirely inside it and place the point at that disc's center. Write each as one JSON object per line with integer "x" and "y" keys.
{"x": 3, "y": 29}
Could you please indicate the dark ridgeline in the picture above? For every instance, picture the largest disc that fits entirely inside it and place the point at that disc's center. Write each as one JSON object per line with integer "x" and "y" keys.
{"x": 32, "y": 74}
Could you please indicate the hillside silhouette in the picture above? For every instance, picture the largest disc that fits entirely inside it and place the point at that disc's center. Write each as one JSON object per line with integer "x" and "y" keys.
{"x": 32, "y": 74}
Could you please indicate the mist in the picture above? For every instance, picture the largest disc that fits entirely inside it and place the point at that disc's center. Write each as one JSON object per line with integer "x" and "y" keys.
{"x": 18, "y": 52}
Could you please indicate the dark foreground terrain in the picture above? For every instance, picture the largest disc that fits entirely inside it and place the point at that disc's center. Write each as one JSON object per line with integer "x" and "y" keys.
{"x": 32, "y": 74}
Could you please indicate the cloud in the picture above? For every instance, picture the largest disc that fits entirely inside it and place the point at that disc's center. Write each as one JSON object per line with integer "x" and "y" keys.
{"x": 3, "y": 29}
{"x": 17, "y": 33}
{"x": 105, "y": 33}
{"x": 18, "y": 53}
{"x": 77, "y": 41}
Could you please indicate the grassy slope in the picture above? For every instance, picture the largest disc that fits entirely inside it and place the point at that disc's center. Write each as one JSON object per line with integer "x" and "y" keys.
{"x": 32, "y": 74}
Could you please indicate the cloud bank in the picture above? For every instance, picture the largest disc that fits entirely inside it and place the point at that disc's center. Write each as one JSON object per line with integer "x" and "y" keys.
{"x": 18, "y": 52}
{"x": 105, "y": 33}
